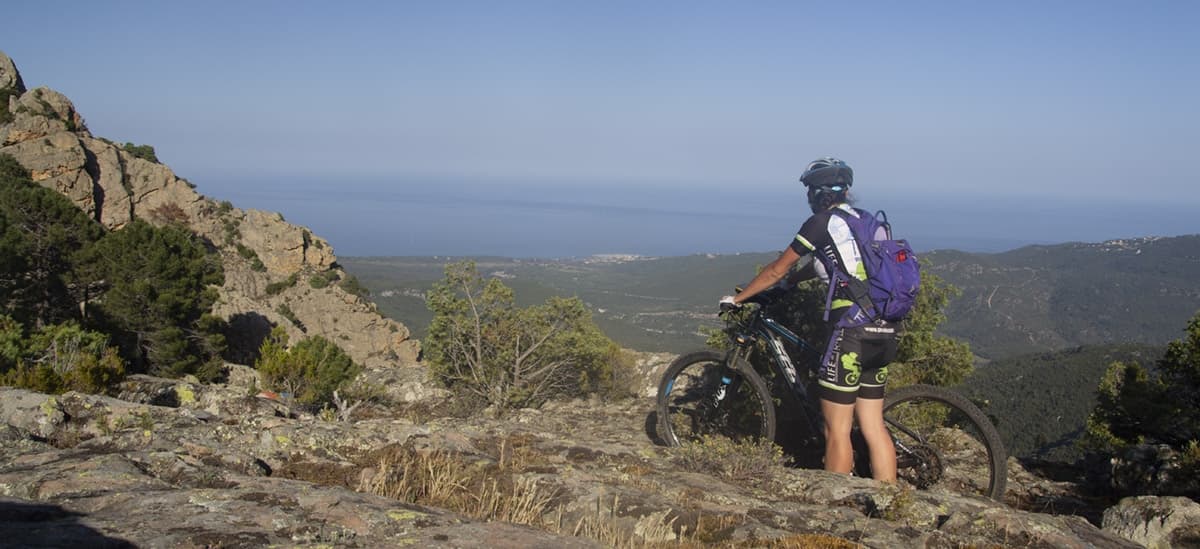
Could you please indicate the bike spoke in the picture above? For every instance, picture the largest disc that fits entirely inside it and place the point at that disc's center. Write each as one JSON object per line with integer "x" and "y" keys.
{"x": 703, "y": 397}
{"x": 945, "y": 444}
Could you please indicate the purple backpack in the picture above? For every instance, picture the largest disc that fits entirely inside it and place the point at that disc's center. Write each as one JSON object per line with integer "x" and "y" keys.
{"x": 893, "y": 272}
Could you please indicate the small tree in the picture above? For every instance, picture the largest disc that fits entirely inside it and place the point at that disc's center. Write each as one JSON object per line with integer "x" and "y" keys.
{"x": 481, "y": 343}
{"x": 311, "y": 371}
{"x": 1135, "y": 404}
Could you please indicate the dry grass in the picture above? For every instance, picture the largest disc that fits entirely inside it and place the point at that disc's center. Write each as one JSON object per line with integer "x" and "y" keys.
{"x": 442, "y": 479}
{"x": 497, "y": 492}
{"x": 656, "y": 529}
{"x": 753, "y": 462}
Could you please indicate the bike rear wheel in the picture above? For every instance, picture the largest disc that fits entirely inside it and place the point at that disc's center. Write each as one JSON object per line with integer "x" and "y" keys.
{"x": 945, "y": 443}
{"x": 703, "y": 394}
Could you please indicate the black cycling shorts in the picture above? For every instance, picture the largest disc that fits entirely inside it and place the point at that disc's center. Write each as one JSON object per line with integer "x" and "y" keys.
{"x": 856, "y": 361}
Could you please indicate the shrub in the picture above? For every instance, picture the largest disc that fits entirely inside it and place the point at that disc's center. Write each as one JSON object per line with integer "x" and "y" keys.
{"x": 169, "y": 212}
{"x": 480, "y": 343}
{"x": 145, "y": 152}
{"x": 311, "y": 370}
{"x": 286, "y": 312}
{"x": 352, "y": 286}
{"x": 256, "y": 264}
{"x": 276, "y": 288}
{"x": 231, "y": 231}
{"x": 60, "y": 358}
{"x": 1135, "y": 404}
{"x": 321, "y": 280}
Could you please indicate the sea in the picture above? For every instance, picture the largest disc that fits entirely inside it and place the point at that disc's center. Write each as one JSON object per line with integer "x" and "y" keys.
{"x": 431, "y": 217}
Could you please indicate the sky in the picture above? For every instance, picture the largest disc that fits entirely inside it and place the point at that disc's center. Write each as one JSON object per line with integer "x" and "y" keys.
{"x": 965, "y": 103}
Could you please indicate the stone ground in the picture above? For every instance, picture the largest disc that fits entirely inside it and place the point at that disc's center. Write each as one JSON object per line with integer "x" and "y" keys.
{"x": 220, "y": 468}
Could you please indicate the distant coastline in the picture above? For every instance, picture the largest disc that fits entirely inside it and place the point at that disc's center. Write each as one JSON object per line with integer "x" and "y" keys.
{"x": 419, "y": 218}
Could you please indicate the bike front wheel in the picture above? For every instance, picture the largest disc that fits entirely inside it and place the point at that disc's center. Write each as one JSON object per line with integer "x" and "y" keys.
{"x": 706, "y": 394}
{"x": 944, "y": 442}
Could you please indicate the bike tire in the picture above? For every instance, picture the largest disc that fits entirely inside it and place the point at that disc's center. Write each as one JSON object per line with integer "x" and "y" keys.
{"x": 932, "y": 420}
{"x": 689, "y": 408}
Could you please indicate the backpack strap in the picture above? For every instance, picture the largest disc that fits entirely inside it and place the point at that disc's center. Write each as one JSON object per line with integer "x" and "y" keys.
{"x": 857, "y": 290}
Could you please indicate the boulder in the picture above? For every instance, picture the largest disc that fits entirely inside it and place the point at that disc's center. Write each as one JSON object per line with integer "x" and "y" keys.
{"x": 1156, "y": 522}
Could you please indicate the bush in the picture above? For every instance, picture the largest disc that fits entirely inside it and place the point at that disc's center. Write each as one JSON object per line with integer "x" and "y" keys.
{"x": 352, "y": 286}
{"x": 145, "y": 152}
{"x": 286, "y": 312}
{"x": 169, "y": 212}
{"x": 256, "y": 264}
{"x": 231, "y": 232}
{"x": 321, "y": 280}
{"x": 276, "y": 288}
{"x": 1135, "y": 404}
{"x": 59, "y": 358}
{"x": 311, "y": 370}
{"x": 480, "y": 343}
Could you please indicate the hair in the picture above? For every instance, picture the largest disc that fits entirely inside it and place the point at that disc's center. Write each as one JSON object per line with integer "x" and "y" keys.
{"x": 821, "y": 199}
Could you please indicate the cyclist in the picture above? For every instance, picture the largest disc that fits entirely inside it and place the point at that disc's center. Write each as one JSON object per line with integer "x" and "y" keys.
{"x": 854, "y": 367}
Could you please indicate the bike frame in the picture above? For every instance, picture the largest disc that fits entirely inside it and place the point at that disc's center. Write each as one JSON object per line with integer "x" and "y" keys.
{"x": 767, "y": 329}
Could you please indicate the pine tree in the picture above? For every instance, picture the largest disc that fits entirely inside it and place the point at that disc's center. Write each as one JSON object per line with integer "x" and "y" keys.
{"x": 159, "y": 287}
{"x": 41, "y": 233}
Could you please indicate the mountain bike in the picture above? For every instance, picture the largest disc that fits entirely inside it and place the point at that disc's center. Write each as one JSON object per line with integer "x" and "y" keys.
{"x": 943, "y": 441}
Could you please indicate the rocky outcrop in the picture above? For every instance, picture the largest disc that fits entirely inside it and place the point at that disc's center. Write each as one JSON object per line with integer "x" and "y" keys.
{"x": 1144, "y": 469}
{"x": 269, "y": 264}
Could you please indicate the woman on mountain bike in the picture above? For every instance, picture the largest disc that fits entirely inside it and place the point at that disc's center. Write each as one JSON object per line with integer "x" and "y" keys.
{"x": 853, "y": 371}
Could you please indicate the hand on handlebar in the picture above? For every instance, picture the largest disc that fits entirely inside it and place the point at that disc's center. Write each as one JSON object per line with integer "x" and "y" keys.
{"x": 728, "y": 304}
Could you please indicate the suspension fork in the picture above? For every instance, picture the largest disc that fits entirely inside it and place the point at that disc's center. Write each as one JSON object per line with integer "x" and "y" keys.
{"x": 731, "y": 377}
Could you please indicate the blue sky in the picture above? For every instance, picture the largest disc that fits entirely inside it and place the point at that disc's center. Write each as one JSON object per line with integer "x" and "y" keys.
{"x": 963, "y": 101}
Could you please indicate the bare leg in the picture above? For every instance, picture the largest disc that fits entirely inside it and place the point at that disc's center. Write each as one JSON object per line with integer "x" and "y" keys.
{"x": 879, "y": 442}
{"x": 839, "y": 456}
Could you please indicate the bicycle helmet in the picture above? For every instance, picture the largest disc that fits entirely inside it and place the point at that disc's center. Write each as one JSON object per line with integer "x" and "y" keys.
{"x": 827, "y": 172}
{"x": 827, "y": 180}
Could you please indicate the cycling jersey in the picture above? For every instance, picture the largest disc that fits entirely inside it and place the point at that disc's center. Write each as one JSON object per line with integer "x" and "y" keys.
{"x": 856, "y": 358}
{"x": 828, "y": 238}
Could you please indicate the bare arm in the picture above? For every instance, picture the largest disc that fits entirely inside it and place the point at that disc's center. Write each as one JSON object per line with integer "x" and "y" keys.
{"x": 770, "y": 274}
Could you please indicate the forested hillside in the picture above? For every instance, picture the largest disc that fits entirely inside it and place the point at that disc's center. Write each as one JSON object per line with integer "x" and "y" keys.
{"x": 1033, "y": 299}
{"x": 1041, "y": 401}
{"x": 1042, "y": 298}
